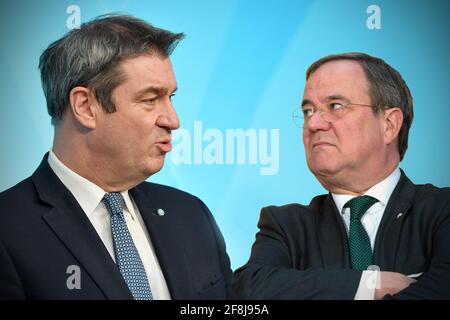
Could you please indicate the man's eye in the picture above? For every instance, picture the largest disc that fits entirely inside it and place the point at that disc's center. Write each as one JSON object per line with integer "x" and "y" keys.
{"x": 150, "y": 101}
{"x": 308, "y": 112}
{"x": 336, "y": 106}
{"x": 172, "y": 95}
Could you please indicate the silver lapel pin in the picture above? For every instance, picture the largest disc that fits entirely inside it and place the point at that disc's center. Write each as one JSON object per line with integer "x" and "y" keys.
{"x": 160, "y": 212}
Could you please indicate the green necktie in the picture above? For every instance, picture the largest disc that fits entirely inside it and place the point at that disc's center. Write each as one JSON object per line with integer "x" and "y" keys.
{"x": 360, "y": 249}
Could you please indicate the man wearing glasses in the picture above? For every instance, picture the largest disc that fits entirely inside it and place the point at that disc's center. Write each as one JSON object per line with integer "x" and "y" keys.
{"x": 375, "y": 234}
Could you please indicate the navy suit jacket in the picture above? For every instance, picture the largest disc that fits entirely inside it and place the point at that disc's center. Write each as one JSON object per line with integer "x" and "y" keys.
{"x": 301, "y": 252}
{"x": 43, "y": 231}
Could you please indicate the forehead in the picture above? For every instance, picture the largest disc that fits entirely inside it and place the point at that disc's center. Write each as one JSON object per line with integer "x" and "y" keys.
{"x": 148, "y": 70}
{"x": 342, "y": 77}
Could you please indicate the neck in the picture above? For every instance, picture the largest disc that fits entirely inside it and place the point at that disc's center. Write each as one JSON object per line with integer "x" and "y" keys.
{"x": 356, "y": 183}
{"x": 73, "y": 151}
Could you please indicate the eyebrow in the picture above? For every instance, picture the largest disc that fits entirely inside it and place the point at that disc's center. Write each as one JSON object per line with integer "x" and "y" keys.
{"x": 329, "y": 98}
{"x": 306, "y": 102}
{"x": 337, "y": 97}
{"x": 159, "y": 91}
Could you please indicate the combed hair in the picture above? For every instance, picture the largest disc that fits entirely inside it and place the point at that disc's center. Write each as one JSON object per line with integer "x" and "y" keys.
{"x": 91, "y": 56}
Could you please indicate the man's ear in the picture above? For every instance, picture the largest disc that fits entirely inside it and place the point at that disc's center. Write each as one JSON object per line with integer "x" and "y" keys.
{"x": 393, "y": 119}
{"x": 84, "y": 106}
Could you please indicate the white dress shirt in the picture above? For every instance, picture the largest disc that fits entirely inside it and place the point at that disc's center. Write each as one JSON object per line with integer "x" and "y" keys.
{"x": 371, "y": 221}
{"x": 89, "y": 196}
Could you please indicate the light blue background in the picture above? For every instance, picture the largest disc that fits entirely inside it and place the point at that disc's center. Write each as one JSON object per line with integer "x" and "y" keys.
{"x": 241, "y": 65}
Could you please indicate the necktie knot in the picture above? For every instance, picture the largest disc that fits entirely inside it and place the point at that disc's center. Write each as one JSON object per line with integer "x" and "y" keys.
{"x": 114, "y": 202}
{"x": 359, "y": 205}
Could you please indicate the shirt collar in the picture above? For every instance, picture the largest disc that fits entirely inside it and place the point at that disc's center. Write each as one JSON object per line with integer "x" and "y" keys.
{"x": 87, "y": 193}
{"x": 381, "y": 191}
{"x": 128, "y": 204}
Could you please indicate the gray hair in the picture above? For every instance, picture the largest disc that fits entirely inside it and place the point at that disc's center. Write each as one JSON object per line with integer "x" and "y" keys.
{"x": 387, "y": 89}
{"x": 91, "y": 57}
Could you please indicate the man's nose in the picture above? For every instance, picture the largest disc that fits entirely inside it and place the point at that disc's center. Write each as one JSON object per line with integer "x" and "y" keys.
{"x": 317, "y": 122}
{"x": 169, "y": 118}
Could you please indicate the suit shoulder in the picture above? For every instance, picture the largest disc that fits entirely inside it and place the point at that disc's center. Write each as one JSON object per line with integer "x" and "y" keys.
{"x": 19, "y": 204}
{"x": 295, "y": 209}
{"x": 167, "y": 192}
{"x": 431, "y": 193}
{"x": 287, "y": 209}
{"x": 23, "y": 190}
{"x": 314, "y": 205}
{"x": 184, "y": 204}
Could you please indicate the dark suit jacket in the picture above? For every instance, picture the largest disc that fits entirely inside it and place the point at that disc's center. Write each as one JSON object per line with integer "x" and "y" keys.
{"x": 301, "y": 252}
{"x": 43, "y": 230}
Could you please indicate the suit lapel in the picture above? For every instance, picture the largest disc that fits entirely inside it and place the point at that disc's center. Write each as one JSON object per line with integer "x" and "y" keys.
{"x": 332, "y": 234}
{"x": 389, "y": 231}
{"x": 68, "y": 221}
{"x": 333, "y": 237}
{"x": 166, "y": 235}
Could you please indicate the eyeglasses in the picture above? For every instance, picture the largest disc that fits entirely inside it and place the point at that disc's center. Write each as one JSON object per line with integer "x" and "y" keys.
{"x": 333, "y": 112}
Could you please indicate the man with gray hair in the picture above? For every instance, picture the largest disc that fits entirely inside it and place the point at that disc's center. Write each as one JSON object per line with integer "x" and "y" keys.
{"x": 375, "y": 234}
{"x": 85, "y": 225}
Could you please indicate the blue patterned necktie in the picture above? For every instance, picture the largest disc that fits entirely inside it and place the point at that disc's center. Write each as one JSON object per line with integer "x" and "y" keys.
{"x": 360, "y": 249}
{"x": 127, "y": 257}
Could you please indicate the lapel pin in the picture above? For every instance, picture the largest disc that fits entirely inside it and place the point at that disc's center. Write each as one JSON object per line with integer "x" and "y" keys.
{"x": 160, "y": 212}
{"x": 399, "y": 215}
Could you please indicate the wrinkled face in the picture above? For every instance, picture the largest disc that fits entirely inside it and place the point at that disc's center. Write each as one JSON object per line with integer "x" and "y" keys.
{"x": 350, "y": 145}
{"x": 137, "y": 136}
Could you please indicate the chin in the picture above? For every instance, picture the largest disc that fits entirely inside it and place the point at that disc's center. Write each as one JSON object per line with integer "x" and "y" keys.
{"x": 154, "y": 166}
{"x": 322, "y": 168}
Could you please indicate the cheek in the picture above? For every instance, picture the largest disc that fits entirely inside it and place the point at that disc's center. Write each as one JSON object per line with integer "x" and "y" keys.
{"x": 306, "y": 138}
{"x": 109, "y": 134}
{"x": 366, "y": 138}
{"x": 141, "y": 130}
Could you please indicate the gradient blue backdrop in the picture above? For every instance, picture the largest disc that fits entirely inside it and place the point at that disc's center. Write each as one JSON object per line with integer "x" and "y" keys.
{"x": 241, "y": 65}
